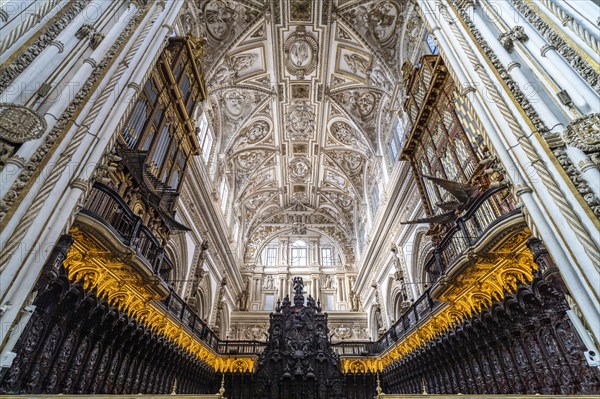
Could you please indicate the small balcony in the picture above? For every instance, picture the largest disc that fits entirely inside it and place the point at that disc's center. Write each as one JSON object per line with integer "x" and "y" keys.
{"x": 420, "y": 310}
{"x": 109, "y": 221}
{"x": 494, "y": 210}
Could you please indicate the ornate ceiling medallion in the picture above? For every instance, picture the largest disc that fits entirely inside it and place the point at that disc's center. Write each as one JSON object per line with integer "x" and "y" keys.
{"x": 301, "y": 53}
{"x": 299, "y": 168}
{"x": 382, "y": 20}
{"x": 19, "y": 124}
{"x": 343, "y": 133}
{"x": 300, "y": 122}
{"x": 256, "y": 132}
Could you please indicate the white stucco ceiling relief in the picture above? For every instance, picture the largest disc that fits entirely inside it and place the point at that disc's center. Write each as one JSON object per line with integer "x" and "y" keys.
{"x": 299, "y": 93}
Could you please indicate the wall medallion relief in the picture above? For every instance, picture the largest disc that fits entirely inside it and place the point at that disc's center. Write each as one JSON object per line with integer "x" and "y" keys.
{"x": 301, "y": 53}
{"x": 382, "y": 20}
{"x": 584, "y": 133}
{"x": 223, "y": 21}
{"x": 379, "y": 24}
{"x": 343, "y": 133}
{"x": 19, "y": 124}
{"x": 233, "y": 104}
{"x": 362, "y": 106}
{"x": 254, "y": 133}
{"x": 220, "y": 17}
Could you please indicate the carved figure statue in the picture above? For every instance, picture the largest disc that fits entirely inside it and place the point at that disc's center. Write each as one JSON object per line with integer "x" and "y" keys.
{"x": 242, "y": 301}
{"x": 379, "y": 318}
{"x": 269, "y": 283}
{"x": 298, "y": 285}
{"x": 355, "y": 299}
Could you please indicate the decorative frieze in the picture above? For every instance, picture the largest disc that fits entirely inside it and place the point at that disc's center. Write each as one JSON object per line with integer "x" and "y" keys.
{"x": 24, "y": 60}
{"x": 79, "y": 99}
{"x": 577, "y": 62}
{"x": 521, "y": 98}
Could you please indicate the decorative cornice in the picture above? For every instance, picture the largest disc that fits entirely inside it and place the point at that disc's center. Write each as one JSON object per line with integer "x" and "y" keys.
{"x": 583, "y": 65}
{"x": 10, "y": 72}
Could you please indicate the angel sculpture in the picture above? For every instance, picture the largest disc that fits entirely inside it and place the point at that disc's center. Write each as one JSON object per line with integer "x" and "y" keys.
{"x": 464, "y": 195}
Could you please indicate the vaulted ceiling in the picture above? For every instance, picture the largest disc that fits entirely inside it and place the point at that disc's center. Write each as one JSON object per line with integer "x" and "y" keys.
{"x": 300, "y": 92}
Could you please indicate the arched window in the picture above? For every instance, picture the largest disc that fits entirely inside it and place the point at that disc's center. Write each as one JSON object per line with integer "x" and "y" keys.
{"x": 299, "y": 253}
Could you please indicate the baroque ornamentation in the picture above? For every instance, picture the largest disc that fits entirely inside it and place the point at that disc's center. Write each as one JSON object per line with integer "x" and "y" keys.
{"x": 301, "y": 52}
{"x": 254, "y": 133}
{"x": 343, "y": 133}
{"x": 299, "y": 169}
{"x": 362, "y": 106}
{"x": 378, "y": 23}
{"x": 19, "y": 124}
{"x": 300, "y": 121}
{"x": 507, "y": 39}
{"x": 584, "y": 133}
{"x": 230, "y": 68}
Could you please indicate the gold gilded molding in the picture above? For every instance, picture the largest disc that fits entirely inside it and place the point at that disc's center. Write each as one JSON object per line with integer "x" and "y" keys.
{"x": 117, "y": 282}
{"x": 362, "y": 365}
{"x": 486, "y": 280}
{"x": 224, "y": 364}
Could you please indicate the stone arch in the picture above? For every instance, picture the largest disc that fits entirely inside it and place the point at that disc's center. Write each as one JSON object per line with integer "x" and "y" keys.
{"x": 177, "y": 252}
{"x": 422, "y": 249}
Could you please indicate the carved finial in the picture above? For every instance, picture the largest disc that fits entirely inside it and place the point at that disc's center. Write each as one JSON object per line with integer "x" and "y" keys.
{"x": 378, "y": 389}
{"x": 222, "y": 389}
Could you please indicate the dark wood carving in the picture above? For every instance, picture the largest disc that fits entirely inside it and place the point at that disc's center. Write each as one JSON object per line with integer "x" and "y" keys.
{"x": 77, "y": 343}
{"x": 523, "y": 344}
{"x": 298, "y": 361}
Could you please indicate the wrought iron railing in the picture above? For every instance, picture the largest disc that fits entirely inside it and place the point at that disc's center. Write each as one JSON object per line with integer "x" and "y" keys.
{"x": 241, "y": 347}
{"x": 489, "y": 209}
{"x": 181, "y": 311}
{"x": 492, "y": 207}
{"x": 107, "y": 206}
{"x": 419, "y": 310}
